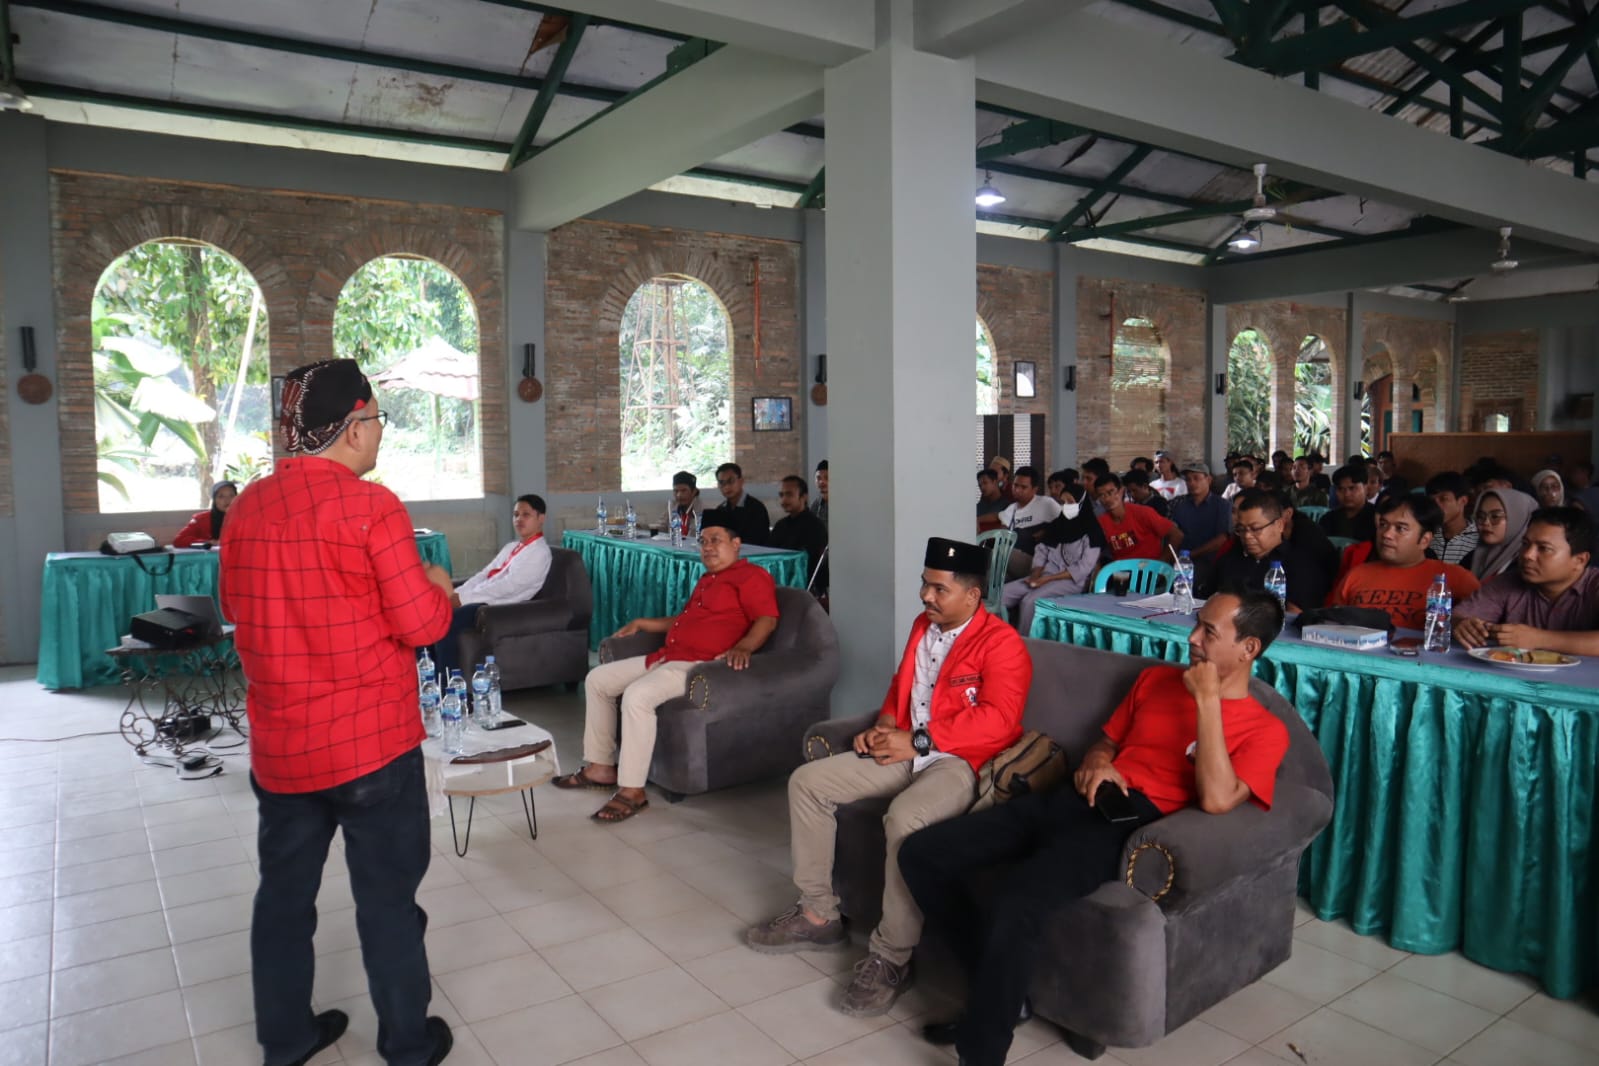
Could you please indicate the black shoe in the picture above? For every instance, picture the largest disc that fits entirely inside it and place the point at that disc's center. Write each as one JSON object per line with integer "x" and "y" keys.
{"x": 443, "y": 1040}
{"x": 330, "y": 1025}
{"x": 944, "y": 1033}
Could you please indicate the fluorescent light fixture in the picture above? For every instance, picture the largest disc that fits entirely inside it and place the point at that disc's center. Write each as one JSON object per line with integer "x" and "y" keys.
{"x": 12, "y": 98}
{"x": 987, "y": 195}
{"x": 1245, "y": 240}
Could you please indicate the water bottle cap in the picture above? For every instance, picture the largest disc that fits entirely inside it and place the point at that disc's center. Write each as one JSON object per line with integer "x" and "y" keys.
{"x": 489, "y": 660}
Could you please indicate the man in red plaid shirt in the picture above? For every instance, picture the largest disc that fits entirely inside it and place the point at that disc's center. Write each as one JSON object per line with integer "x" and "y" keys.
{"x": 321, "y": 575}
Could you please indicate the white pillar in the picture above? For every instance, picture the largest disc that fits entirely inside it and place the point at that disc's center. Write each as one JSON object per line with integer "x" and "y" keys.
{"x": 901, "y": 299}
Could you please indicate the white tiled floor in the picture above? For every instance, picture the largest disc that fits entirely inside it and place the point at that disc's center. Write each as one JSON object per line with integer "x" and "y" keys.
{"x": 125, "y": 904}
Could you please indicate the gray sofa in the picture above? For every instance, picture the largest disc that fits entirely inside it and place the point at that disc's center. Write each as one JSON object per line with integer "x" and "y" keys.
{"x": 544, "y": 641}
{"x": 735, "y": 726}
{"x": 1207, "y": 905}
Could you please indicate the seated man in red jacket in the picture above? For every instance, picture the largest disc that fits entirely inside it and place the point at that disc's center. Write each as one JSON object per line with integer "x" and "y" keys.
{"x": 955, "y": 703}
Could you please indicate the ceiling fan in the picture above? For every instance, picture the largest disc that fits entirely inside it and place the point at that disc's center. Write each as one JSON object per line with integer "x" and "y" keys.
{"x": 1250, "y": 235}
{"x": 1504, "y": 264}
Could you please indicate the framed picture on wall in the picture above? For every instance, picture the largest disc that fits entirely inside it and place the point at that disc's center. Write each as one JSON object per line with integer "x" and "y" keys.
{"x": 277, "y": 398}
{"x": 1026, "y": 380}
{"x": 772, "y": 413}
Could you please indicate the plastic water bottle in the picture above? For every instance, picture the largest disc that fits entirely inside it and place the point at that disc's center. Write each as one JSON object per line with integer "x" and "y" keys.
{"x": 430, "y": 707}
{"x": 452, "y": 727}
{"x": 1277, "y": 583}
{"x": 482, "y": 713}
{"x": 599, "y": 517}
{"x": 457, "y": 684}
{"x": 1440, "y": 613}
{"x": 696, "y": 529}
{"x": 1182, "y": 585}
{"x": 492, "y": 669}
{"x": 674, "y": 527}
{"x": 632, "y": 520}
{"x": 425, "y": 670}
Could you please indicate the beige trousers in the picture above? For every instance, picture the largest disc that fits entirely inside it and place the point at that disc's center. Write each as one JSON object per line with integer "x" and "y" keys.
{"x": 640, "y": 690}
{"x": 943, "y": 789}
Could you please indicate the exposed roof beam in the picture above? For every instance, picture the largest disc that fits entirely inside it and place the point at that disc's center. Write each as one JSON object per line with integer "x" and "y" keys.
{"x": 552, "y": 84}
{"x": 47, "y": 91}
{"x": 550, "y": 9}
{"x": 820, "y": 32}
{"x": 1542, "y": 89}
{"x": 1026, "y": 135}
{"x": 960, "y": 27}
{"x": 813, "y": 191}
{"x": 1099, "y": 192}
{"x": 1333, "y": 44}
{"x": 721, "y": 103}
{"x": 1074, "y": 70}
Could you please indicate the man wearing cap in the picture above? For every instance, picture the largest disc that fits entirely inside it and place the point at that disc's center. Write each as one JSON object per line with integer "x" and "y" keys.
{"x": 955, "y": 702}
{"x": 685, "y": 490}
{"x": 730, "y": 613}
{"x": 320, "y": 573}
{"x": 1204, "y": 517}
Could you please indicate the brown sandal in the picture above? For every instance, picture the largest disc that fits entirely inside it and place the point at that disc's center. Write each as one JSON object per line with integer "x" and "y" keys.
{"x": 581, "y": 779}
{"x": 619, "y": 809}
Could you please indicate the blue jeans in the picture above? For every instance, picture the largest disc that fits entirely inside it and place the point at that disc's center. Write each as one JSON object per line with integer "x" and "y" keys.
{"x": 384, "y": 816}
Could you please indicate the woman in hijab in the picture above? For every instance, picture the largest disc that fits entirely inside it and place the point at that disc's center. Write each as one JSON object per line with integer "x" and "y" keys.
{"x": 1501, "y": 519}
{"x": 206, "y": 527}
{"x": 1063, "y": 563}
{"x": 1551, "y": 490}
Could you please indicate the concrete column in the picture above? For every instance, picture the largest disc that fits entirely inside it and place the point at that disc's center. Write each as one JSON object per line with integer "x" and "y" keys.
{"x": 1217, "y": 345}
{"x": 526, "y": 259}
{"x": 813, "y": 330}
{"x": 35, "y": 524}
{"x": 1065, "y": 403}
{"x": 901, "y": 298}
{"x": 1355, "y": 366}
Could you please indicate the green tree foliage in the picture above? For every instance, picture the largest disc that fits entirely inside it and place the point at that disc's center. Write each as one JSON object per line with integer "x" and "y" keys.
{"x": 1313, "y": 398}
{"x": 987, "y": 373}
{"x": 1249, "y": 394}
{"x": 388, "y": 309}
{"x": 170, "y": 324}
{"x": 676, "y": 374}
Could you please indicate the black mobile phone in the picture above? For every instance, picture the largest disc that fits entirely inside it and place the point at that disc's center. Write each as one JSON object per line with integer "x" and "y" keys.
{"x": 505, "y": 723}
{"x": 1114, "y": 804}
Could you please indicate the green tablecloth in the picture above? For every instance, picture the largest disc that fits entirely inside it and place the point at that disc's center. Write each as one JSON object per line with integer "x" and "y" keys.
{"x": 644, "y": 579}
{"x": 1465, "y": 793}
{"x": 88, "y": 599}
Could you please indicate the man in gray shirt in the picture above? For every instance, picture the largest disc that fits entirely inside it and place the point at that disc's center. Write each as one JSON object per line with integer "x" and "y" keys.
{"x": 1549, "y": 600}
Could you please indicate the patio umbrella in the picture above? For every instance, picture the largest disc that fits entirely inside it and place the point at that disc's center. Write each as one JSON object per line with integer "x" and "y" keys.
{"x": 437, "y": 367}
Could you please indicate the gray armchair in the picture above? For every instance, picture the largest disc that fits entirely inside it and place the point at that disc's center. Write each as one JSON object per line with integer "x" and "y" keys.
{"x": 544, "y": 641}
{"x": 1207, "y": 903}
{"x": 735, "y": 726}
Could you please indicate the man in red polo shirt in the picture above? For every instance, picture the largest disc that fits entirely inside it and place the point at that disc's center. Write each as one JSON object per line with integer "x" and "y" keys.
{"x": 730, "y": 614}
{"x": 1180, "y": 738}
{"x": 320, "y": 573}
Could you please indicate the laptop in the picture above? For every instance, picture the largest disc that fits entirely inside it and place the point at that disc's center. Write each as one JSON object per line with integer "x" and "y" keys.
{"x": 202, "y": 607}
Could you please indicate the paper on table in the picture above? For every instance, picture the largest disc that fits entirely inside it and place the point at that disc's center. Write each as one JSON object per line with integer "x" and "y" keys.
{"x": 1159, "y": 602}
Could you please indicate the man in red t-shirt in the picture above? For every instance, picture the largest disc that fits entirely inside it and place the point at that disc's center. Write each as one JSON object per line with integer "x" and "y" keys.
{"x": 320, "y": 573}
{"x": 730, "y": 614}
{"x": 1180, "y": 738}
{"x": 1398, "y": 579}
{"x": 1133, "y": 530}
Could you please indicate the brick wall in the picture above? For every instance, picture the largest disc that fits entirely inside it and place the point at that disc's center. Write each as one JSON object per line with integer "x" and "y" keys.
{"x": 300, "y": 248}
{"x": 594, "y": 269}
{"x": 1017, "y": 307}
{"x": 1499, "y": 369}
{"x": 1284, "y": 325}
{"x": 1421, "y": 353}
{"x": 1178, "y": 315}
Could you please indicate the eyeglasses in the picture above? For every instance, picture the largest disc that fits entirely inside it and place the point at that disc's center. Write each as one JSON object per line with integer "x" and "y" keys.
{"x": 1490, "y": 518}
{"x": 1252, "y": 531}
{"x": 382, "y": 418}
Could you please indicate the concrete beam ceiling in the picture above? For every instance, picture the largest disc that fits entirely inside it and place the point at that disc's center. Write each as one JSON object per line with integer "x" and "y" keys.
{"x": 961, "y": 27}
{"x": 623, "y": 151}
{"x": 1074, "y": 70}
{"x": 823, "y": 32}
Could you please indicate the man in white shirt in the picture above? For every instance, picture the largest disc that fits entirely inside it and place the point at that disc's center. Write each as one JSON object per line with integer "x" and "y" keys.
{"x": 515, "y": 575}
{"x": 1170, "y": 484}
{"x": 1028, "y": 516}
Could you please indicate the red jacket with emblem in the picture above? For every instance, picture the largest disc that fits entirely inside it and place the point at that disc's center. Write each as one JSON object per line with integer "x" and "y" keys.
{"x": 980, "y": 693}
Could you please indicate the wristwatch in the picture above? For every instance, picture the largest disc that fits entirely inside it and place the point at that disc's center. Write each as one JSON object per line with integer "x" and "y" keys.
{"x": 921, "y": 742}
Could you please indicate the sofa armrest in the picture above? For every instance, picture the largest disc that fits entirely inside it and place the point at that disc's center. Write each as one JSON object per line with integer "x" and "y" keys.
{"x": 520, "y": 619}
{"x": 1188, "y": 853}
{"x": 831, "y": 736}
{"x": 614, "y": 649}
{"x": 771, "y": 677}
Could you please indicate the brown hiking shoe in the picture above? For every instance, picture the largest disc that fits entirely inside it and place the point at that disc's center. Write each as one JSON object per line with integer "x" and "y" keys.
{"x": 792, "y": 931}
{"x": 876, "y": 986}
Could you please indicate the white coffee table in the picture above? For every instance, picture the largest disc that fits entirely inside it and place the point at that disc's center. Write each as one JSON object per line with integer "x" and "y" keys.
{"x": 519, "y": 775}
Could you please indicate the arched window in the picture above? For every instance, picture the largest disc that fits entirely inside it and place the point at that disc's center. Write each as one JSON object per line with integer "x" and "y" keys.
{"x": 181, "y": 380}
{"x": 1138, "y": 379}
{"x": 412, "y": 326}
{"x": 1313, "y": 429}
{"x": 987, "y": 372}
{"x": 1249, "y": 394}
{"x": 676, "y": 381}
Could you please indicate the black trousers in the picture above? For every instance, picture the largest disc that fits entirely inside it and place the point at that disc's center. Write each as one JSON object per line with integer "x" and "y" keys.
{"x": 1062, "y": 849}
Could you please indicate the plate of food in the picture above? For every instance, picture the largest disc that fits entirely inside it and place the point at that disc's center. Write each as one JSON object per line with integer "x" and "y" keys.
{"x": 1524, "y": 658}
